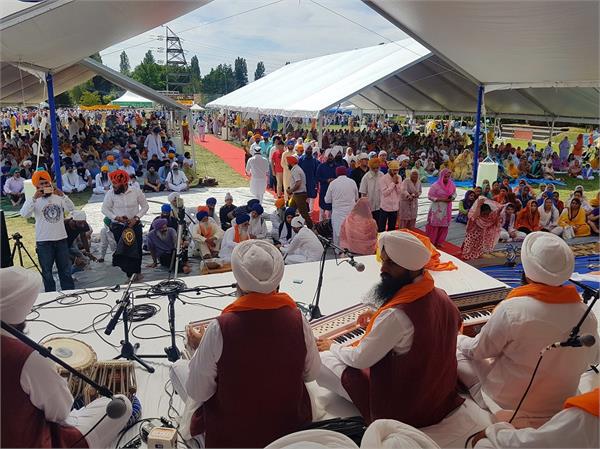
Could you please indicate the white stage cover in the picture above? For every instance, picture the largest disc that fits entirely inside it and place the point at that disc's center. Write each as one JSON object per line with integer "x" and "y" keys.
{"x": 343, "y": 287}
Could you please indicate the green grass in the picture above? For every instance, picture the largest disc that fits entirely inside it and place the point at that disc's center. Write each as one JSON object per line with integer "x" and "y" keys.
{"x": 26, "y": 226}
{"x": 207, "y": 164}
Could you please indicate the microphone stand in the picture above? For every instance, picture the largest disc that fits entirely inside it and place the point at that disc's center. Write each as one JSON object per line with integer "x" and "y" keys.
{"x": 128, "y": 350}
{"x": 313, "y": 309}
{"x": 47, "y": 353}
{"x": 588, "y": 293}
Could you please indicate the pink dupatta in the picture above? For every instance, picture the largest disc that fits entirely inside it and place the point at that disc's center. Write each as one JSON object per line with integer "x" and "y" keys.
{"x": 359, "y": 230}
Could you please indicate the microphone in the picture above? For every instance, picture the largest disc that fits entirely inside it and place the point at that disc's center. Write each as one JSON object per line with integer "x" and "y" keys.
{"x": 586, "y": 340}
{"x": 116, "y": 408}
{"x": 358, "y": 266}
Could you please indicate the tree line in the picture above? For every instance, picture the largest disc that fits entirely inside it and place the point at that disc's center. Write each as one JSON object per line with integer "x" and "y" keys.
{"x": 219, "y": 81}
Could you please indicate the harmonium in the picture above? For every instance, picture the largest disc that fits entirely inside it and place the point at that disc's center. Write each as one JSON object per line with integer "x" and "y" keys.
{"x": 475, "y": 309}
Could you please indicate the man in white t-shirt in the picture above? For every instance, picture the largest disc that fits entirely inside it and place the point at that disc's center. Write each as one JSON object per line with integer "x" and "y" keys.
{"x": 49, "y": 206}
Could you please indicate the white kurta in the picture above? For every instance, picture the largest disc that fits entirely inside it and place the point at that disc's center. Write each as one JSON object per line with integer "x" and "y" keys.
{"x": 500, "y": 359}
{"x": 153, "y": 144}
{"x": 177, "y": 182}
{"x": 102, "y": 187}
{"x": 392, "y": 330}
{"x": 227, "y": 244}
{"x": 72, "y": 181}
{"x": 49, "y": 392}
{"x": 258, "y": 228}
{"x": 343, "y": 195}
{"x": 200, "y": 245}
{"x": 304, "y": 247}
{"x": 257, "y": 168}
{"x": 571, "y": 427}
{"x": 369, "y": 187}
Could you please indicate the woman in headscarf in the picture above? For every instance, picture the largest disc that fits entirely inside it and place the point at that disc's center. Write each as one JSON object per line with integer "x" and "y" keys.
{"x": 483, "y": 229}
{"x": 549, "y": 216}
{"x": 409, "y": 200}
{"x": 441, "y": 194}
{"x": 528, "y": 218}
{"x": 422, "y": 173}
{"x": 573, "y": 221}
{"x": 512, "y": 170}
{"x": 464, "y": 206}
{"x": 284, "y": 230}
{"x": 358, "y": 233}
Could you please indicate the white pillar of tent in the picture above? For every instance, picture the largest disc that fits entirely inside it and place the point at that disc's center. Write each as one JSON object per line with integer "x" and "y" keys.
{"x": 320, "y": 129}
{"x": 551, "y": 130}
{"x": 225, "y": 130}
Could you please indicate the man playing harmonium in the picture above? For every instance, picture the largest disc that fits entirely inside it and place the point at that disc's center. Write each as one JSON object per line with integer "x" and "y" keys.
{"x": 36, "y": 401}
{"x": 404, "y": 367}
{"x": 250, "y": 365}
{"x": 498, "y": 363}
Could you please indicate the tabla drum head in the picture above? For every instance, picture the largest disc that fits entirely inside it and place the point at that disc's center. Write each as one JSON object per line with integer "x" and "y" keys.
{"x": 74, "y": 352}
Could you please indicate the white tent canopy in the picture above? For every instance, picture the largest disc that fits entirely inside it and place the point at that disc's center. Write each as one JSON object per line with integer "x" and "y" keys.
{"x": 196, "y": 107}
{"x": 507, "y": 44}
{"x": 403, "y": 78}
{"x": 131, "y": 98}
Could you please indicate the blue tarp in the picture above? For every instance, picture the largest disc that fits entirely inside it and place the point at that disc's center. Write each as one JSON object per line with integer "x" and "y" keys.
{"x": 469, "y": 182}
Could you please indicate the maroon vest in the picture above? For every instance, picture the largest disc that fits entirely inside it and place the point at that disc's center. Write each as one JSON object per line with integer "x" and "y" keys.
{"x": 260, "y": 393}
{"x": 24, "y": 425}
{"x": 420, "y": 387}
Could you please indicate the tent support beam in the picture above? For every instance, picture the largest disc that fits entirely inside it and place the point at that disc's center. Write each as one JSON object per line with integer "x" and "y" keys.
{"x": 372, "y": 102}
{"x": 551, "y": 130}
{"x": 535, "y": 102}
{"x": 421, "y": 92}
{"x": 379, "y": 89}
{"x": 477, "y": 129}
{"x": 53, "y": 130}
{"x": 320, "y": 129}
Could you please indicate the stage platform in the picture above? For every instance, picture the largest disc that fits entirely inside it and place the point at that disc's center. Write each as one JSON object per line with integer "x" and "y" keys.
{"x": 85, "y": 315}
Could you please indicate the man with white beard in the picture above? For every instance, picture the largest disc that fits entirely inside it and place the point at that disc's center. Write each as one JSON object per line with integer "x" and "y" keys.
{"x": 176, "y": 180}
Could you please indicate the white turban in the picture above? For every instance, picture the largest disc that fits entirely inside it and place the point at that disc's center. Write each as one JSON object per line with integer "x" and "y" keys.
{"x": 363, "y": 156}
{"x": 78, "y": 215}
{"x": 404, "y": 249}
{"x": 173, "y": 197}
{"x": 547, "y": 258}
{"x": 402, "y": 158}
{"x": 228, "y": 196}
{"x": 297, "y": 222}
{"x": 313, "y": 439}
{"x": 389, "y": 433}
{"x": 257, "y": 266}
{"x": 19, "y": 288}
{"x": 337, "y": 149}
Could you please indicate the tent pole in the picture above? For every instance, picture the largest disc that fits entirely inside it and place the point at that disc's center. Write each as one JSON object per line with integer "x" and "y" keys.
{"x": 54, "y": 131}
{"x": 551, "y": 131}
{"x": 320, "y": 129}
{"x": 477, "y": 129}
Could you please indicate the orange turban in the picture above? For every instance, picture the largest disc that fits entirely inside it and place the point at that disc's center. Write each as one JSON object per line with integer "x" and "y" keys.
{"x": 110, "y": 158}
{"x": 119, "y": 177}
{"x": 38, "y": 175}
{"x": 291, "y": 160}
{"x": 202, "y": 208}
{"x": 257, "y": 137}
{"x": 374, "y": 163}
{"x": 279, "y": 202}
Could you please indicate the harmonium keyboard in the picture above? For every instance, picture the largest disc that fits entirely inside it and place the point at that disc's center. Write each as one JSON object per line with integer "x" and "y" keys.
{"x": 475, "y": 309}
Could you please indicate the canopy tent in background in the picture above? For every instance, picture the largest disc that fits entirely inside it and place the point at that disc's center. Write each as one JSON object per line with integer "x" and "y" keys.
{"x": 131, "y": 100}
{"x": 196, "y": 107}
{"x": 401, "y": 78}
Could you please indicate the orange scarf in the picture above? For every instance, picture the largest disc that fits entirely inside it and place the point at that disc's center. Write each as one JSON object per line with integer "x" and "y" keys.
{"x": 206, "y": 230}
{"x": 260, "y": 301}
{"x": 546, "y": 293}
{"x": 237, "y": 238}
{"x": 434, "y": 263}
{"x": 407, "y": 294}
{"x": 588, "y": 402}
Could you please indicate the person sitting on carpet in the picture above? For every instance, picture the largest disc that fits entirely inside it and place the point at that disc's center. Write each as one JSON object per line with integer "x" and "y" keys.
{"x": 250, "y": 394}
{"x": 234, "y": 235}
{"x": 284, "y": 233}
{"x": 36, "y": 401}
{"x": 549, "y": 217}
{"x": 152, "y": 182}
{"x": 206, "y": 235}
{"x": 508, "y": 233}
{"x": 211, "y": 203}
{"x": 226, "y": 212}
{"x": 388, "y": 373}
{"x": 483, "y": 229}
{"x": 496, "y": 365}
{"x": 592, "y": 216}
{"x": 359, "y": 230}
{"x": 162, "y": 244}
{"x": 176, "y": 181}
{"x": 258, "y": 225}
{"x": 190, "y": 174}
{"x": 528, "y": 218}
{"x": 573, "y": 221}
{"x": 464, "y": 206}
{"x": 304, "y": 247}
{"x": 14, "y": 187}
{"x": 166, "y": 212}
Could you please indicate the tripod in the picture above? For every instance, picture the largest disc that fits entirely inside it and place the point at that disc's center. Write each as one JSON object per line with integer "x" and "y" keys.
{"x": 19, "y": 248}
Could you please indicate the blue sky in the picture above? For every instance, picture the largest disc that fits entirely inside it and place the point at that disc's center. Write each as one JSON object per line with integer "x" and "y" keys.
{"x": 284, "y": 30}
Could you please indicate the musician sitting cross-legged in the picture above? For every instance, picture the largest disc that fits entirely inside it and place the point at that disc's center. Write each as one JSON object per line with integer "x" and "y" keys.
{"x": 404, "y": 367}
{"x": 498, "y": 363}
{"x": 249, "y": 369}
{"x": 36, "y": 401}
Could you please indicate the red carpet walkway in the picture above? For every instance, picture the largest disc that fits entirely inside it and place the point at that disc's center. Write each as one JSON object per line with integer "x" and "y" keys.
{"x": 230, "y": 154}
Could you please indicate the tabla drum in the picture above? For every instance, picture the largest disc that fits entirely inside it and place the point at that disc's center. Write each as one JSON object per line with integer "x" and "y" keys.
{"x": 76, "y": 353}
{"x": 116, "y": 375}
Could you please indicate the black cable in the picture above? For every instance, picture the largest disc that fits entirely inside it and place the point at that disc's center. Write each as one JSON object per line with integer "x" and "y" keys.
{"x": 143, "y": 312}
{"x": 90, "y": 431}
{"x": 528, "y": 387}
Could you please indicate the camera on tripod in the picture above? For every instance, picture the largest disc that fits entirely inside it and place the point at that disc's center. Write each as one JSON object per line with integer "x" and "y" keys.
{"x": 16, "y": 236}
